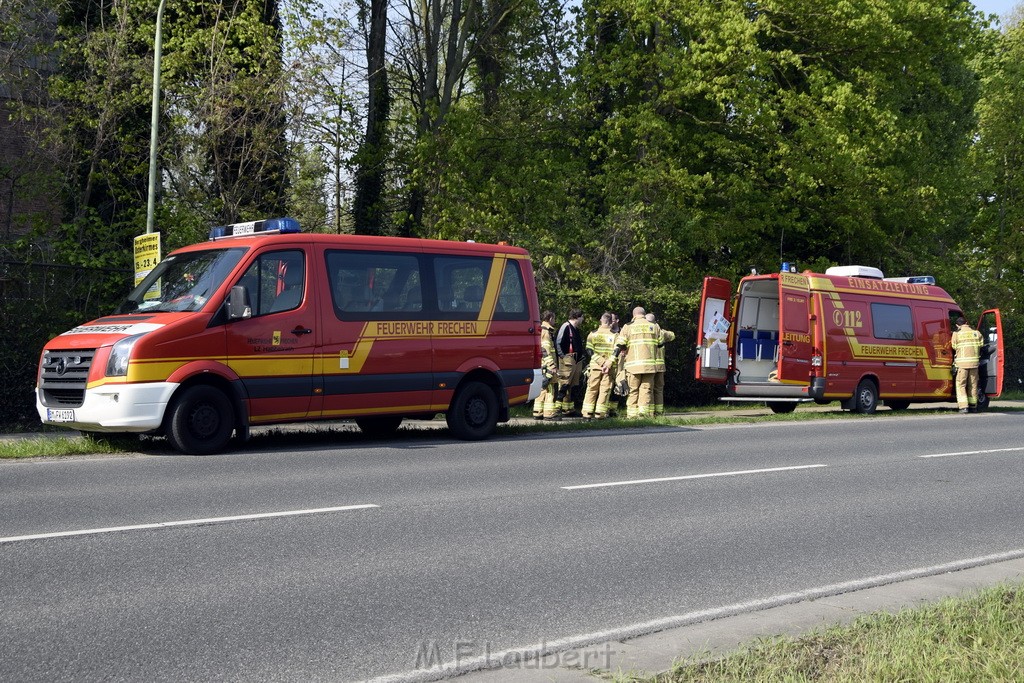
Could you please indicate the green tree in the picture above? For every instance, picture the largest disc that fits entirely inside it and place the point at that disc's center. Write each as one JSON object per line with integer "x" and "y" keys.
{"x": 739, "y": 134}
{"x": 986, "y": 264}
{"x": 369, "y": 207}
{"x": 226, "y": 90}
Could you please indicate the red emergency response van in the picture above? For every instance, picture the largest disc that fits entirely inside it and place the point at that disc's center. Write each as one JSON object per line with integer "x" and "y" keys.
{"x": 265, "y": 324}
{"x": 848, "y": 335}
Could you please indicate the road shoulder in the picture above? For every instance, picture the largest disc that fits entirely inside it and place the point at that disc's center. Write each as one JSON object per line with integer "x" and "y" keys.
{"x": 648, "y": 655}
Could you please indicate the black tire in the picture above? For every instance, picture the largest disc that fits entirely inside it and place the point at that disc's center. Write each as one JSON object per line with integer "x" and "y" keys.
{"x": 782, "y": 407}
{"x": 384, "y": 425}
{"x": 201, "y": 421}
{"x": 984, "y": 402}
{"x": 473, "y": 414}
{"x": 866, "y": 399}
{"x": 897, "y": 405}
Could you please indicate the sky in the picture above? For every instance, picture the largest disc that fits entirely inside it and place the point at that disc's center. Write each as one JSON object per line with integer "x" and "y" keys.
{"x": 1000, "y": 7}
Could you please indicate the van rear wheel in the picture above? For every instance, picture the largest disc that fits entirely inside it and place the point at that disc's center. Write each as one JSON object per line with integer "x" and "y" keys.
{"x": 782, "y": 407}
{"x": 473, "y": 414}
{"x": 897, "y": 405}
{"x": 201, "y": 421}
{"x": 866, "y": 399}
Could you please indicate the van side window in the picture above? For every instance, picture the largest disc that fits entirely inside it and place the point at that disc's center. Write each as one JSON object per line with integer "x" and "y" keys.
{"x": 275, "y": 281}
{"x": 890, "y": 321}
{"x": 461, "y": 282}
{"x": 512, "y": 295}
{"x": 368, "y": 285}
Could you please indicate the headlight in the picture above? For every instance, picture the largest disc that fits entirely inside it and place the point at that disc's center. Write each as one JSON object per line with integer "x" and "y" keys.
{"x": 117, "y": 364}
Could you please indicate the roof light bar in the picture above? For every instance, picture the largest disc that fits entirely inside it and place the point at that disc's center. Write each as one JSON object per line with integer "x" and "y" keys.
{"x": 914, "y": 279}
{"x": 281, "y": 225}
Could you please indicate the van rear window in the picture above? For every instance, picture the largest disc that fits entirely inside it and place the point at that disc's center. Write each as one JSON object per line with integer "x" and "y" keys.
{"x": 512, "y": 295}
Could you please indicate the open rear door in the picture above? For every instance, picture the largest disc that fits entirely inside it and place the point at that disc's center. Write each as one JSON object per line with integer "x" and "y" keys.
{"x": 795, "y": 344}
{"x": 990, "y": 370}
{"x": 713, "y": 331}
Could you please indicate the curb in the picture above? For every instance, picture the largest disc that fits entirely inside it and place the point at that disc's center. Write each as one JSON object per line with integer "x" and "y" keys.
{"x": 649, "y": 655}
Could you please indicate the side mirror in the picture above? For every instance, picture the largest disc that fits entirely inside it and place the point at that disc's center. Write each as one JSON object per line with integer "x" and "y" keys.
{"x": 238, "y": 304}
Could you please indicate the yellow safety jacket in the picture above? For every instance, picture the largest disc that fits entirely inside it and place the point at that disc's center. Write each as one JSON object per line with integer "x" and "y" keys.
{"x": 640, "y": 340}
{"x": 967, "y": 347}
{"x": 548, "y": 360}
{"x": 601, "y": 345}
{"x": 666, "y": 336}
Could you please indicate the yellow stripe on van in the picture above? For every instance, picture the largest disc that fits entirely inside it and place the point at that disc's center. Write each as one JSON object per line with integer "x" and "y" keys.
{"x": 417, "y": 329}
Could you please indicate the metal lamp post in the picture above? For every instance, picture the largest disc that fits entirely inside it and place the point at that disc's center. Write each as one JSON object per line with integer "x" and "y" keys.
{"x": 155, "y": 120}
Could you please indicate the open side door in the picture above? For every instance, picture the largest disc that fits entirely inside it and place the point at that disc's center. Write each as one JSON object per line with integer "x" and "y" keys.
{"x": 990, "y": 369}
{"x": 712, "y": 363}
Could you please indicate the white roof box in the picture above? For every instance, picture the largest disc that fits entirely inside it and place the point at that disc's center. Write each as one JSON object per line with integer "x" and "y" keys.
{"x": 856, "y": 271}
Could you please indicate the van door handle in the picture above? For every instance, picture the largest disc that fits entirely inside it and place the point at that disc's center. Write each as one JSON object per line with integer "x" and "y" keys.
{"x": 787, "y": 343}
{"x": 300, "y": 330}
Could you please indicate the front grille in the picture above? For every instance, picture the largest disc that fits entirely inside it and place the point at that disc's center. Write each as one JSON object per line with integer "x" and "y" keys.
{"x": 64, "y": 376}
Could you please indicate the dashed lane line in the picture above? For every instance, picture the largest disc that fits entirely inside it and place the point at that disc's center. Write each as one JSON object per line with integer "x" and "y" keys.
{"x": 183, "y": 522}
{"x": 991, "y": 450}
{"x": 691, "y": 476}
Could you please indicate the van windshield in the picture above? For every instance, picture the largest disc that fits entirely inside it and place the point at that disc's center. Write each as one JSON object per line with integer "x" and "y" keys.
{"x": 182, "y": 282}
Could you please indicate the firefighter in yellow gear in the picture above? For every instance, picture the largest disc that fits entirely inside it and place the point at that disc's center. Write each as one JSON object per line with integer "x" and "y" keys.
{"x": 597, "y": 401}
{"x": 966, "y": 343}
{"x": 544, "y": 405}
{"x": 658, "y": 388}
{"x": 637, "y": 346}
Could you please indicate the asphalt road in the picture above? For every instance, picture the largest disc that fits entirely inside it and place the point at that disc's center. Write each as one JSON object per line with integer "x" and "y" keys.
{"x": 471, "y": 548}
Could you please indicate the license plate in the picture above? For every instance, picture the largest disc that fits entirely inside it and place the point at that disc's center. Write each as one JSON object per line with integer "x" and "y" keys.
{"x": 60, "y": 415}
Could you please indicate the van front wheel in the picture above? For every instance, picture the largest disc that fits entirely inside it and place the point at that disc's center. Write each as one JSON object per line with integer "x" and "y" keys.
{"x": 473, "y": 415}
{"x": 866, "y": 399}
{"x": 201, "y": 421}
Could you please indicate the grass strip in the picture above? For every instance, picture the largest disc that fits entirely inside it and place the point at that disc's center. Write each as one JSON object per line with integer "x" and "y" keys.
{"x": 334, "y": 436}
{"x": 975, "y": 638}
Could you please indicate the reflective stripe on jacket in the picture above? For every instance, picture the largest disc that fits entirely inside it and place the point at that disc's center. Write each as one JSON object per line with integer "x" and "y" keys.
{"x": 665, "y": 337}
{"x": 601, "y": 344}
{"x": 640, "y": 338}
{"x": 547, "y": 348}
{"x": 967, "y": 347}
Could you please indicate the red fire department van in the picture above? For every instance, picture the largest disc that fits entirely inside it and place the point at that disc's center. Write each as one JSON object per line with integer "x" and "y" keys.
{"x": 848, "y": 335}
{"x": 264, "y": 324}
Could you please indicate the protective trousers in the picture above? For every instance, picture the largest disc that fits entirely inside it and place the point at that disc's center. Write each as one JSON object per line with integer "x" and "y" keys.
{"x": 641, "y": 394}
{"x": 544, "y": 405}
{"x": 569, "y": 372}
{"x": 966, "y": 387}
{"x": 597, "y": 401}
{"x": 658, "y": 394}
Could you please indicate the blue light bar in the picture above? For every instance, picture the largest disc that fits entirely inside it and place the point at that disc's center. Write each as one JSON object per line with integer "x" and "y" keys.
{"x": 283, "y": 225}
{"x": 922, "y": 280}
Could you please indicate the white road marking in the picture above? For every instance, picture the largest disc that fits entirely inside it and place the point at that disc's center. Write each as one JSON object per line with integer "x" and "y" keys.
{"x": 949, "y": 455}
{"x": 183, "y": 522}
{"x": 528, "y": 657}
{"x": 691, "y": 476}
